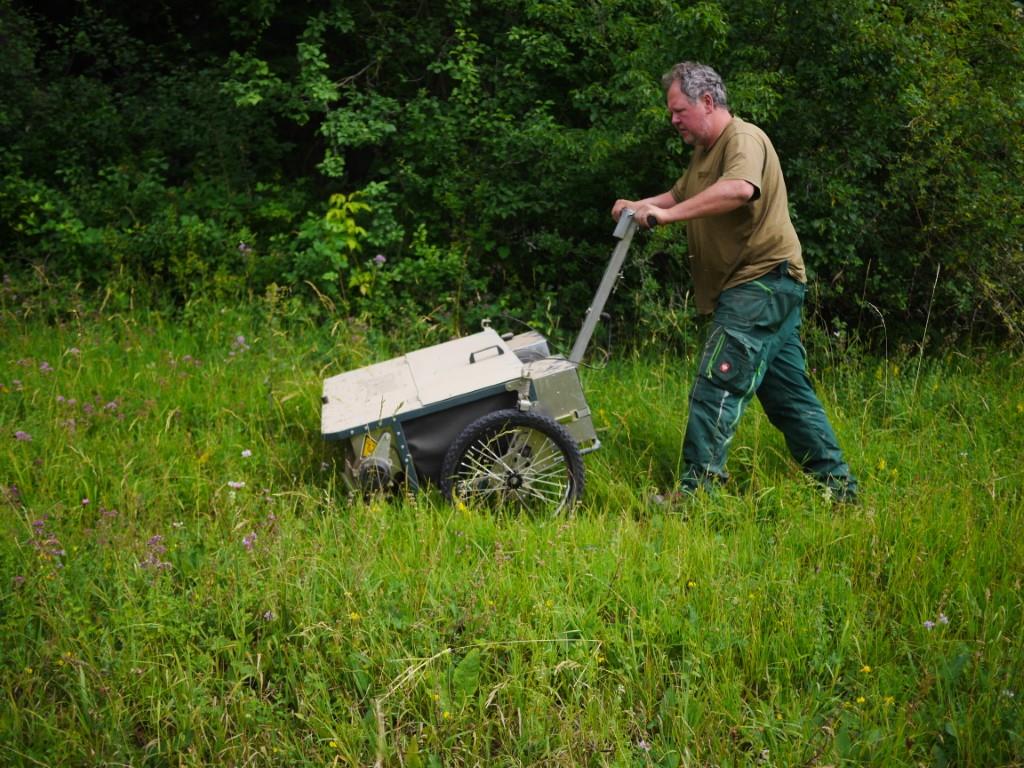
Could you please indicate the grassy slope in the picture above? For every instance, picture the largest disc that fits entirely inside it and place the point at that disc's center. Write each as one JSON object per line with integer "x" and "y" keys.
{"x": 283, "y": 623}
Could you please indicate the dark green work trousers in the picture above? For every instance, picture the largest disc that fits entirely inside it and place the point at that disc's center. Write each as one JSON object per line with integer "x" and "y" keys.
{"x": 753, "y": 347}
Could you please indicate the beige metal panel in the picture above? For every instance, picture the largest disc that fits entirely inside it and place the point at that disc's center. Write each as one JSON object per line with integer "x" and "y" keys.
{"x": 445, "y": 371}
{"x": 419, "y": 379}
{"x": 368, "y": 395}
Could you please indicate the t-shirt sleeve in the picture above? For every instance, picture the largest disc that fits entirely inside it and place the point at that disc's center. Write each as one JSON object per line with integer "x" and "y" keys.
{"x": 744, "y": 160}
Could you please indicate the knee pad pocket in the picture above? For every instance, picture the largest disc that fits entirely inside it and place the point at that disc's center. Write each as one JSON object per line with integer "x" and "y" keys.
{"x": 732, "y": 361}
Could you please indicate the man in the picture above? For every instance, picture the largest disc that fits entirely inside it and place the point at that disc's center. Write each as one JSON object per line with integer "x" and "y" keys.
{"x": 748, "y": 273}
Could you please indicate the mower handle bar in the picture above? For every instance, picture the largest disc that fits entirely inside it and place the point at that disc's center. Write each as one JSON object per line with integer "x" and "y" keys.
{"x": 624, "y": 230}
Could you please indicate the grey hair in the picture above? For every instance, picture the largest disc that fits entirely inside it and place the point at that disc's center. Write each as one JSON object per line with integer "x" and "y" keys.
{"x": 695, "y": 80}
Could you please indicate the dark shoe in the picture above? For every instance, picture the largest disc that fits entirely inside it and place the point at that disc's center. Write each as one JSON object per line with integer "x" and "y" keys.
{"x": 841, "y": 490}
{"x": 694, "y": 481}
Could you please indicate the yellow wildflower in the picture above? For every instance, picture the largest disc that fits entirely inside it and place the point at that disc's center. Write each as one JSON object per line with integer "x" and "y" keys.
{"x": 861, "y": 699}
{"x": 866, "y": 669}
{"x": 355, "y": 616}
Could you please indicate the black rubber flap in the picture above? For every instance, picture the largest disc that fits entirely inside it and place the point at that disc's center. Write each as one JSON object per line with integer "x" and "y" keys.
{"x": 430, "y": 436}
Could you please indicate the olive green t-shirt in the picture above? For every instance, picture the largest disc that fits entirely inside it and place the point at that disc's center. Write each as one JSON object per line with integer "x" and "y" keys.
{"x": 744, "y": 244}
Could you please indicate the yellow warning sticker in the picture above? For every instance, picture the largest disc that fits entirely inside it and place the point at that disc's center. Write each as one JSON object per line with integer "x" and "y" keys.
{"x": 369, "y": 446}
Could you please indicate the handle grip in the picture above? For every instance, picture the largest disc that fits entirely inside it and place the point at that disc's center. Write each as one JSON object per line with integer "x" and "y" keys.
{"x": 652, "y": 221}
{"x": 472, "y": 355}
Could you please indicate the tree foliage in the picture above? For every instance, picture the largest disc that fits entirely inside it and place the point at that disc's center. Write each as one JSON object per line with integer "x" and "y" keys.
{"x": 202, "y": 146}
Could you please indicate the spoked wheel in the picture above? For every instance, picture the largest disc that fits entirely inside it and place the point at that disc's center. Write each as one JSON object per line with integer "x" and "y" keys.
{"x": 511, "y": 459}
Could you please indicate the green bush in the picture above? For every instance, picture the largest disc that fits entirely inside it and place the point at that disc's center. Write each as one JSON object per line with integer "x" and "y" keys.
{"x": 151, "y": 145}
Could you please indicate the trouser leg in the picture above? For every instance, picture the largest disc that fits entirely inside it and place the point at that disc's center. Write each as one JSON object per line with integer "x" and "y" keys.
{"x": 711, "y": 424}
{"x": 743, "y": 339}
{"x": 789, "y": 401}
{"x": 754, "y": 346}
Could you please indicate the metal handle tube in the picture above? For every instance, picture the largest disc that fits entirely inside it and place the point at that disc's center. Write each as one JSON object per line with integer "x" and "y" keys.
{"x": 624, "y": 231}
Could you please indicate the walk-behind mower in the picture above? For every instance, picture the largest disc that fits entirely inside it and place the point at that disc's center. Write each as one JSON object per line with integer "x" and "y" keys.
{"x": 493, "y": 420}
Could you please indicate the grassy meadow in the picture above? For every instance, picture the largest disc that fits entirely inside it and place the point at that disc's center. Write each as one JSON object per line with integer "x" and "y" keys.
{"x": 185, "y": 581}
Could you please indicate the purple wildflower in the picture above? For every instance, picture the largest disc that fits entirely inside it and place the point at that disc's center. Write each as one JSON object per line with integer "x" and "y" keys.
{"x": 86, "y": 502}
{"x": 244, "y": 247}
{"x": 75, "y": 351}
{"x": 379, "y": 259}
{"x": 929, "y": 625}
{"x": 249, "y": 541}
{"x": 61, "y": 399}
{"x": 236, "y": 484}
{"x": 45, "y": 367}
{"x": 11, "y": 494}
{"x": 154, "y": 550}
{"x": 18, "y": 581}
{"x": 943, "y": 618}
{"x": 45, "y": 543}
{"x": 268, "y": 616}
{"x": 246, "y": 453}
{"x": 23, "y": 437}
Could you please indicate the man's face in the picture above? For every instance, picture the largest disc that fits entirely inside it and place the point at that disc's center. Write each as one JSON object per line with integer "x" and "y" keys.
{"x": 689, "y": 118}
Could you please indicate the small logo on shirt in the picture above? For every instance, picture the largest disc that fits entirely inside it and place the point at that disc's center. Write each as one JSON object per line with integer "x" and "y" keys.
{"x": 725, "y": 367}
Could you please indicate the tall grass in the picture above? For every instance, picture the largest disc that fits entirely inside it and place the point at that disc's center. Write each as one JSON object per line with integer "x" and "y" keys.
{"x": 154, "y": 610}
